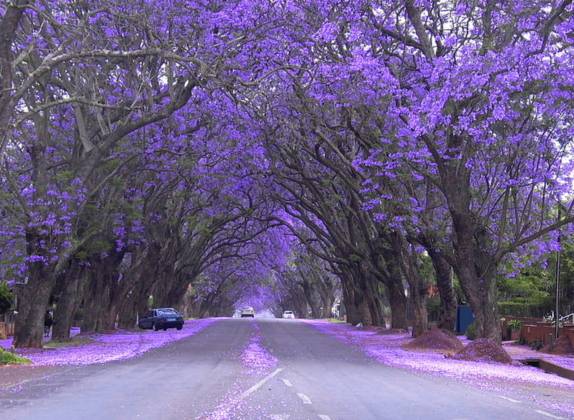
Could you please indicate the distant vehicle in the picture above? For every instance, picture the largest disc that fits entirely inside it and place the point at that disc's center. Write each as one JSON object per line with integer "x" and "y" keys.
{"x": 288, "y": 315}
{"x": 247, "y": 313}
{"x": 161, "y": 319}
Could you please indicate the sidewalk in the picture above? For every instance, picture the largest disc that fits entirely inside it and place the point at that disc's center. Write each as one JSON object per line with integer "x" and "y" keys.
{"x": 6, "y": 344}
{"x": 103, "y": 348}
{"x": 522, "y": 353}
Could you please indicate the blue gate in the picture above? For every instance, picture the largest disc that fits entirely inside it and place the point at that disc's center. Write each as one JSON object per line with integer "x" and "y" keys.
{"x": 464, "y": 318}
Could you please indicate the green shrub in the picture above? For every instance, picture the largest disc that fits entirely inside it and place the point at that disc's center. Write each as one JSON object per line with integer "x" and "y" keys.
{"x": 471, "y": 331}
{"x": 6, "y": 298}
{"x": 7, "y": 358}
{"x": 518, "y": 308}
{"x": 515, "y": 324}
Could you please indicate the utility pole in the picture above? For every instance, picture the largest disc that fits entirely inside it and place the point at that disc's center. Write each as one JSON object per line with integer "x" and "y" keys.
{"x": 557, "y": 281}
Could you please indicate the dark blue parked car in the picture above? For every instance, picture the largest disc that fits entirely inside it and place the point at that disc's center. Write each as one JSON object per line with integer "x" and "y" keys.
{"x": 161, "y": 319}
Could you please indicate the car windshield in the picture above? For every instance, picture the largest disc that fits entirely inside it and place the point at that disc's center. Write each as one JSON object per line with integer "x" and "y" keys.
{"x": 166, "y": 312}
{"x": 287, "y": 312}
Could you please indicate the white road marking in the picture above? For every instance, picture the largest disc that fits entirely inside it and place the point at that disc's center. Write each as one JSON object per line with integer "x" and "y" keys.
{"x": 552, "y": 416}
{"x": 279, "y": 416}
{"x": 258, "y": 385}
{"x": 304, "y": 398}
{"x": 324, "y": 417}
{"x": 287, "y": 382}
{"x": 508, "y": 399}
{"x": 222, "y": 410}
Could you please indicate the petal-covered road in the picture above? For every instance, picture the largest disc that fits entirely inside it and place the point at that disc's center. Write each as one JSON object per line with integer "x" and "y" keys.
{"x": 254, "y": 369}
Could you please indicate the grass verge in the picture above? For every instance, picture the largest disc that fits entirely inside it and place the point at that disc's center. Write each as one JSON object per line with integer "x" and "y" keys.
{"x": 74, "y": 342}
{"x": 7, "y": 358}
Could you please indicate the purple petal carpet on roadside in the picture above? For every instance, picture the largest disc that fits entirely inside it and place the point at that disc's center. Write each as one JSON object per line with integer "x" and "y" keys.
{"x": 387, "y": 349}
{"x": 119, "y": 345}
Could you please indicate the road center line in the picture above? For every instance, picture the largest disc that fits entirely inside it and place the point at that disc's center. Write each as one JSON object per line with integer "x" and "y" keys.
{"x": 324, "y": 417}
{"x": 304, "y": 398}
{"x": 508, "y": 399}
{"x": 552, "y": 416}
{"x": 258, "y": 385}
{"x": 287, "y": 382}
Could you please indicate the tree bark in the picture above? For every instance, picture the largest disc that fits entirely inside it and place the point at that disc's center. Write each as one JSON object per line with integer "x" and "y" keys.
{"x": 33, "y": 300}
{"x": 96, "y": 300}
{"x": 34, "y": 296}
{"x": 443, "y": 272}
{"x": 475, "y": 268}
{"x": 9, "y": 24}
{"x": 418, "y": 301}
{"x": 398, "y": 303}
{"x": 481, "y": 295}
{"x": 68, "y": 303}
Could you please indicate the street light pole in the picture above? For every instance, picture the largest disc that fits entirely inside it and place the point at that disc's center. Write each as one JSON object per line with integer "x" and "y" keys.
{"x": 557, "y": 281}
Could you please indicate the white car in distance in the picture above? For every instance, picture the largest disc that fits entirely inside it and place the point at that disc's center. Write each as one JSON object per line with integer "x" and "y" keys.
{"x": 288, "y": 315}
{"x": 248, "y": 312}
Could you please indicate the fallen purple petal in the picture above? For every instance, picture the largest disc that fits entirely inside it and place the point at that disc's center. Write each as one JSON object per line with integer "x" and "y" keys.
{"x": 120, "y": 345}
{"x": 387, "y": 349}
{"x": 255, "y": 357}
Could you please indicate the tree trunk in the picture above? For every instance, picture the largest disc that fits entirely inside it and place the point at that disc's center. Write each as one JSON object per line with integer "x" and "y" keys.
{"x": 327, "y": 300}
{"x": 366, "y": 296}
{"x": 127, "y": 317}
{"x": 68, "y": 303}
{"x": 33, "y": 300}
{"x": 443, "y": 271}
{"x": 481, "y": 296}
{"x": 96, "y": 300}
{"x": 351, "y": 310}
{"x": 311, "y": 297}
{"x": 398, "y": 303}
{"x": 418, "y": 301}
{"x": 136, "y": 305}
{"x": 475, "y": 268}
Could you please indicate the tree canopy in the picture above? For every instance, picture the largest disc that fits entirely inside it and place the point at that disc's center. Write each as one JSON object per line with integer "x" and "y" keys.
{"x": 273, "y": 151}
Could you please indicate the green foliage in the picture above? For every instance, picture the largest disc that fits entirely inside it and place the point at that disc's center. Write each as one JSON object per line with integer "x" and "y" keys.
{"x": 355, "y": 258}
{"x": 515, "y": 324}
{"x": 64, "y": 177}
{"x": 531, "y": 293}
{"x": 433, "y": 308}
{"x": 471, "y": 331}
{"x": 6, "y": 298}
{"x": 335, "y": 321}
{"x": 524, "y": 309}
{"x": 73, "y": 342}
{"x": 528, "y": 294}
{"x": 95, "y": 246}
{"x": 8, "y": 358}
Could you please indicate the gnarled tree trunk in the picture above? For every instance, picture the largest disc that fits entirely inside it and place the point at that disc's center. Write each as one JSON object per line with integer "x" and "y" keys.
{"x": 68, "y": 302}
{"x": 443, "y": 272}
{"x": 398, "y": 303}
{"x": 33, "y": 300}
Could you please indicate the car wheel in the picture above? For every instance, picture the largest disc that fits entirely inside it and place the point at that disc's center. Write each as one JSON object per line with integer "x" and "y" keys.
{"x": 179, "y": 327}
{"x": 156, "y": 327}
{"x": 165, "y": 328}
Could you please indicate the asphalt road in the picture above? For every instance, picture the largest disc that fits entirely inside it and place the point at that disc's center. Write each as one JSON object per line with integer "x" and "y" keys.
{"x": 202, "y": 377}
